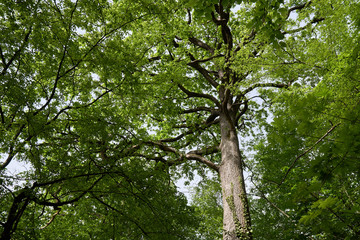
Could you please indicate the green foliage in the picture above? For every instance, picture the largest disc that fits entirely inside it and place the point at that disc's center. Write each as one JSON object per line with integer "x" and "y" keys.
{"x": 68, "y": 109}
{"x": 206, "y": 198}
{"x": 306, "y": 164}
{"x": 92, "y": 99}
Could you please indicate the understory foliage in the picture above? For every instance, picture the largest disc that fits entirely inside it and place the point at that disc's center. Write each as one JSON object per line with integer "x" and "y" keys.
{"x": 108, "y": 104}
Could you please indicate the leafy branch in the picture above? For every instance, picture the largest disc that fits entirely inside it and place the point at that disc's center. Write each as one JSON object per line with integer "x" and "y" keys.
{"x": 306, "y": 152}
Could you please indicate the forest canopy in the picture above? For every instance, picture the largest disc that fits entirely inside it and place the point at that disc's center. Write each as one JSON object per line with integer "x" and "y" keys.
{"x": 109, "y": 103}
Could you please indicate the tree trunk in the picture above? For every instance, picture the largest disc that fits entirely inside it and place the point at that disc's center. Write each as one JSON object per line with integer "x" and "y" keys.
{"x": 17, "y": 209}
{"x": 236, "y": 222}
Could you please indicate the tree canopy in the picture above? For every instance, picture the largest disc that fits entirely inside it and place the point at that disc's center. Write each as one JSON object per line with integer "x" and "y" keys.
{"x": 109, "y": 103}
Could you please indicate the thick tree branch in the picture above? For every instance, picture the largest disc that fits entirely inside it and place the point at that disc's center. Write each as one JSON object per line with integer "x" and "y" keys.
{"x": 222, "y": 21}
{"x": 192, "y": 156}
{"x": 195, "y": 64}
{"x": 165, "y": 148}
{"x": 201, "y": 44}
{"x": 206, "y": 151}
{"x": 214, "y": 114}
{"x": 189, "y": 15}
{"x": 242, "y": 112}
{"x": 8, "y": 159}
{"x": 199, "y": 95}
{"x": 17, "y": 209}
{"x": 2, "y": 57}
{"x": 2, "y": 115}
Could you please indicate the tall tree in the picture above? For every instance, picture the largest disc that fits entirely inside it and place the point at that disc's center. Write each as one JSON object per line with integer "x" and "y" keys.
{"x": 205, "y": 65}
{"x": 125, "y": 94}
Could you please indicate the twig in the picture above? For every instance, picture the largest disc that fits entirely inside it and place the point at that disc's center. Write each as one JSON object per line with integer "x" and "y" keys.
{"x": 271, "y": 203}
{"x": 307, "y": 151}
{"x": 52, "y": 219}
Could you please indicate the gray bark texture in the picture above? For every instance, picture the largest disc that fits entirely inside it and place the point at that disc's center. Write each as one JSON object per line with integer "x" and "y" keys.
{"x": 236, "y": 222}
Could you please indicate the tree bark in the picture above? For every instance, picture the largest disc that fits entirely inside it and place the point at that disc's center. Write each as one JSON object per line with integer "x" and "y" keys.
{"x": 17, "y": 209}
{"x": 236, "y": 221}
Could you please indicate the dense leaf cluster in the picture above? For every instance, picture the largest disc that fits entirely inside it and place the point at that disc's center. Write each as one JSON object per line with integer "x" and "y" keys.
{"x": 108, "y": 103}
